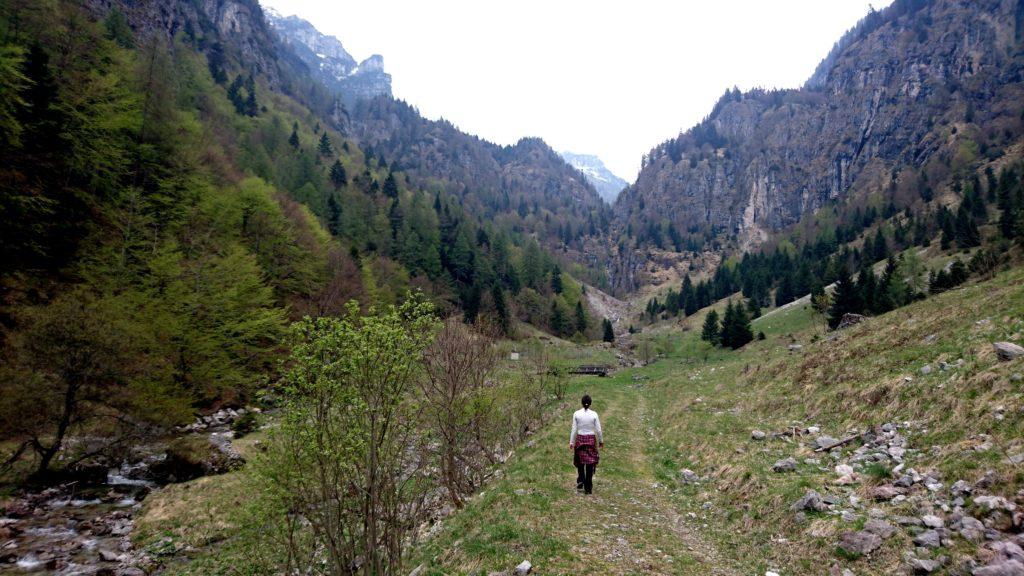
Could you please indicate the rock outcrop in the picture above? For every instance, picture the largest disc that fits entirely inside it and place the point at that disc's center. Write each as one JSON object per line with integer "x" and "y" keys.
{"x": 917, "y": 88}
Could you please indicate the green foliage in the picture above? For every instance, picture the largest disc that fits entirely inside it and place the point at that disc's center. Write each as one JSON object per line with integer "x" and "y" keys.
{"x": 608, "y": 331}
{"x": 710, "y": 331}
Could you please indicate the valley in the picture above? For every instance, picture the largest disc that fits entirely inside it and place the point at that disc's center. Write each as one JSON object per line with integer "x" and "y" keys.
{"x": 260, "y": 316}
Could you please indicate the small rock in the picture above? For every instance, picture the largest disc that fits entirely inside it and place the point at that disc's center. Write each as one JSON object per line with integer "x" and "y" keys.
{"x": 880, "y": 527}
{"x": 862, "y": 542}
{"x": 932, "y": 521}
{"x": 107, "y": 555}
{"x": 823, "y": 442}
{"x": 926, "y": 369}
{"x": 850, "y": 320}
{"x": 1003, "y": 568}
{"x": 924, "y": 566}
{"x": 687, "y": 476}
{"x": 928, "y": 539}
{"x": 844, "y": 470}
{"x": 972, "y": 529}
{"x": 991, "y": 503}
{"x": 811, "y": 500}
{"x": 885, "y": 492}
{"x": 786, "y": 465}
{"x": 523, "y": 569}
{"x": 1007, "y": 351}
{"x": 758, "y": 435}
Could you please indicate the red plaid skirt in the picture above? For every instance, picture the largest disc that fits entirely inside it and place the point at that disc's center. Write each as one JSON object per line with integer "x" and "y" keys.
{"x": 586, "y": 450}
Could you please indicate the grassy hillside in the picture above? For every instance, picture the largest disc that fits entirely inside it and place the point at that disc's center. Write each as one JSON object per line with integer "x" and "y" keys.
{"x": 696, "y": 408}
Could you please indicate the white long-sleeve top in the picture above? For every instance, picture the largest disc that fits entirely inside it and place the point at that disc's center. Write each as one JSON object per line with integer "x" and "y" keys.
{"x": 585, "y": 421}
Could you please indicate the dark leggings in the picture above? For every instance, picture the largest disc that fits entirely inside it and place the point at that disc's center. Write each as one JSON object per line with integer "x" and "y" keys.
{"x": 585, "y": 476}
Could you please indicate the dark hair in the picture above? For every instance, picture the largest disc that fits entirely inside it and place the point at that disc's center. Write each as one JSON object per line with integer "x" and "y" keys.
{"x": 586, "y": 400}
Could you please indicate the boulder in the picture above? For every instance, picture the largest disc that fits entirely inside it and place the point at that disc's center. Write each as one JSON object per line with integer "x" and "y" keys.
{"x": 823, "y": 442}
{"x": 885, "y": 492}
{"x": 1007, "y": 351}
{"x": 932, "y": 521}
{"x": 860, "y": 543}
{"x": 194, "y": 456}
{"x": 924, "y": 566}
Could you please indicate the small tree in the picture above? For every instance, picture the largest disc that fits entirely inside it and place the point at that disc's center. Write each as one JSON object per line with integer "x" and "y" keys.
{"x": 459, "y": 366}
{"x": 347, "y": 458}
{"x": 581, "y": 318}
{"x": 294, "y": 138}
{"x": 845, "y": 300}
{"x": 608, "y": 331}
{"x": 324, "y": 148}
{"x": 338, "y": 176}
{"x": 710, "y": 332}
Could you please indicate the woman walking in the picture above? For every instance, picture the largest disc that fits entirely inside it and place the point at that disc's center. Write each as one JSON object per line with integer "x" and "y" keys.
{"x": 584, "y": 441}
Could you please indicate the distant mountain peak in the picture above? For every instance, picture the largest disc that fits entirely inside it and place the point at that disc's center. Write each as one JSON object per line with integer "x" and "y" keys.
{"x": 607, "y": 184}
{"x": 328, "y": 60}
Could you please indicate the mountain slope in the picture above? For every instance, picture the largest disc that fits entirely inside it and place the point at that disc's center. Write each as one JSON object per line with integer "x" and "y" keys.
{"x": 607, "y": 184}
{"x": 917, "y": 93}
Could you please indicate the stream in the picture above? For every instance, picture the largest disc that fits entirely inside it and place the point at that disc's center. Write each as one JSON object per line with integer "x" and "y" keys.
{"x": 83, "y": 527}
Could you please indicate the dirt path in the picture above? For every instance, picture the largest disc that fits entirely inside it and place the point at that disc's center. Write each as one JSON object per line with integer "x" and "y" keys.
{"x": 636, "y": 527}
{"x": 628, "y": 526}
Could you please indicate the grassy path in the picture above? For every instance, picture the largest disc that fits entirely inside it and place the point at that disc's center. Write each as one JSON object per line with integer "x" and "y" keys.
{"x": 628, "y": 526}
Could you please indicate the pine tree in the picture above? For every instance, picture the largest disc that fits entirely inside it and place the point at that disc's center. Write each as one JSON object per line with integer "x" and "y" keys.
{"x": 966, "y": 230}
{"x": 325, "y": 147}
{"x": 846, "y": 299}
{"x": 338, "y": 176}
{"x": 609, "y": 332}
{"x": 294, "y": 138}
{"x": 710, "y": 331}
{"x": 689, "y": 296}
{"x": 556, "y": 280}
{"x": 785, "y": 293}
{"x": 390, "y": 186}
{"x": 581, "y": 318}
{"x": 501, "y": 308}
{"x": 867, "y": 286}
{"x": 879, "y": 247}
{"x": 736, "y": 330}
{"x": 753, "y": 308}
{"x": 250, "y": 107}
{"x": 235, "y": 94}
{"x": 333, "y": 215}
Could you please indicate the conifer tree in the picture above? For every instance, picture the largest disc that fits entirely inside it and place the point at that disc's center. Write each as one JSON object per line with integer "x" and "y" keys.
{"x": 294, "y": 138}
{"x": 846, "y": 299}
{"x": 325, "y": 147}
{"x": 390, "y": 186}
{"x": 333, "y": 215}
{"x": 581, "y": 318}
{"x": 609, "y": 332}
{"x": 710, "y": 331}
{"x": 338, "y": 176}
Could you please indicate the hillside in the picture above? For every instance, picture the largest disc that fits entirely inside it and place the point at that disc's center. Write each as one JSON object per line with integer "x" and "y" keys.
{"x": 607, "y": 184}
{"x": 914, "y": 98}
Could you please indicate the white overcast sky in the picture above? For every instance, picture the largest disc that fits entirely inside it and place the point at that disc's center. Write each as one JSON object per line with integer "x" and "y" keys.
{"x": 596, "y": 77}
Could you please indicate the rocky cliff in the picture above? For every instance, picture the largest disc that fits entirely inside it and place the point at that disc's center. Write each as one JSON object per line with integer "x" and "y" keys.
{"x": 922, "y": 86}
{"x": 329, "y": 62}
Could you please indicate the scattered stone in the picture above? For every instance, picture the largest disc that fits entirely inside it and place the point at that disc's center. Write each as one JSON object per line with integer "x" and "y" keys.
{"x": 687, "y": 476}
{"x": 844, "y": 470}
{"x": 523, "y": 569}
{"x": 992, "y": 503}
{"x": 933, "y": 521}
{"x": 811, "y": 500}
{"x": 1016, "y": 377}
{"x": 1000, "y": 568}
{"x": 885, "y": 492}
{"x": 907, "y": 521}
{"x": 960, "y": 488}
{"x": 758, "y": 435}
{"x": 972, "y": 529}
{"x": 1007, "y": 351}
{"x": 823, "y": 442}
{"x": 926, "y": 369}
{"x": 880, "y": 528}
{"x": 928, "y": 539}
{"x": 924, "y": 566}
{"x": 786, "y": 465}
{"x": 108, "y": 556}
{"x": 862, "y": 542}
{"x": 794, "y": 347}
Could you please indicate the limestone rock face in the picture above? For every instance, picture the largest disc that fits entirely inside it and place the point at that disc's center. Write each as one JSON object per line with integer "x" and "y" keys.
{"x": 911, "y": 84}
